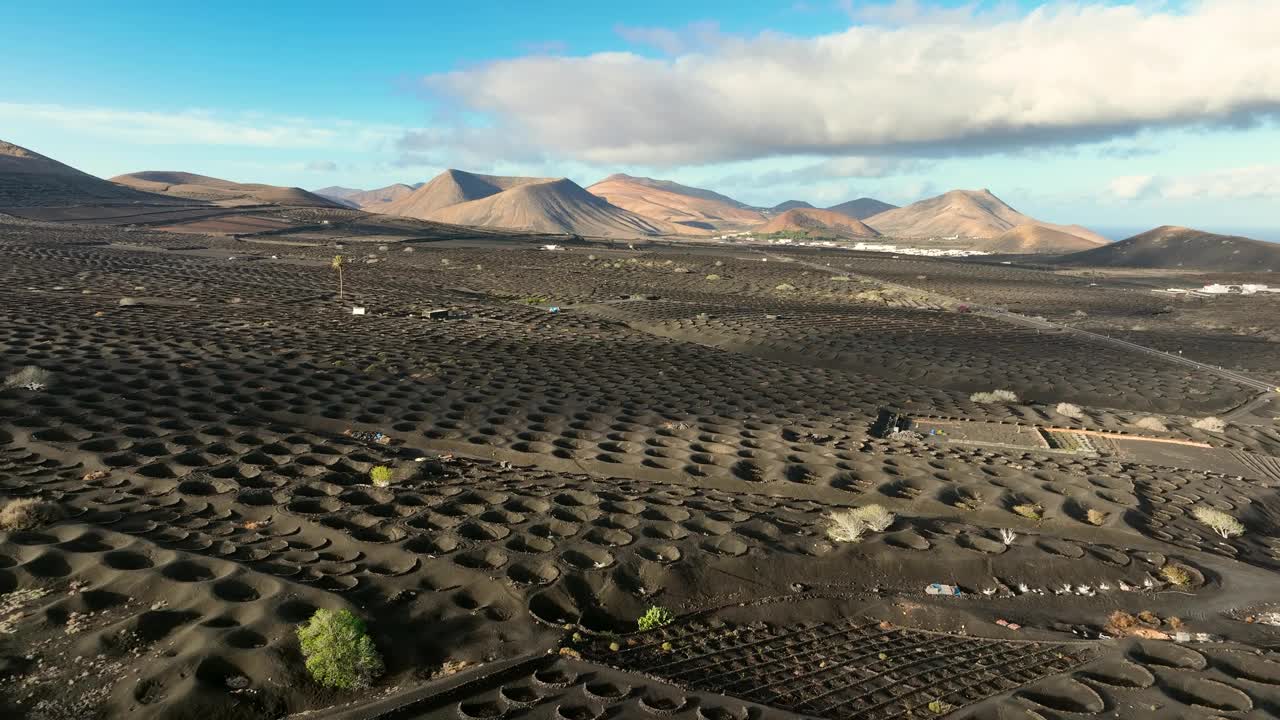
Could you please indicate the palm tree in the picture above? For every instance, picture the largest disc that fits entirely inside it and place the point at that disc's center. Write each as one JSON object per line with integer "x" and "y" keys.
{"x": 337, "y": 265}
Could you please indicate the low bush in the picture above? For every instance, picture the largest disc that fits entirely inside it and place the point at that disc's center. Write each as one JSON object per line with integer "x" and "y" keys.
{"x": 339, "y": 653}
{"x": 28, "y": 378}
{"x": 784, "y": 287}
{"x": 380, "y": 476}
{"x": 1218, "y": 521}
{"x": 1029, "y": 510}
{"x": 850, "y": 525}
{"x": 1151, "y": 423}
{"x": 655, "y": 617}
{"x": 1176, "y": 574}
{"x": 940, "y": 707}
{"x": 1211, "y": 424}
{"x": 713, "y": 277}
{"x": 995, "y": 396}
{"x": 28, "y": 514}
{"x": 1069, "y": 410}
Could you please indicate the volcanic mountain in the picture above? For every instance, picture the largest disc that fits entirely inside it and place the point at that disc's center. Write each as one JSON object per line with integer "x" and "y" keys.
{"x": 554, "y": 206}
{"x": 975, "y": 214}
{"x": 369, "y": 200}
{"x": 672, "y": 202}
{"x": 862, "y": 208}
{"x": 819, "y": 223}
{"x": 449, "y": 188}
{"x": 1174, "y": 247}
{"x": 29, "y": 179}
{"x": 223, "y": 192}
{"x": 790, "y": 205}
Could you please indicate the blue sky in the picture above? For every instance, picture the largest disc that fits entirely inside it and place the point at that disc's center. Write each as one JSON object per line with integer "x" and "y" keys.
{"x": 1116, "y": 115}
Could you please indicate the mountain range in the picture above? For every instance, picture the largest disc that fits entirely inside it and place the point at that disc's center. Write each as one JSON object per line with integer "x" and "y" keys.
{"x": 627, "y": 206}
{"x": 624, "y": 205}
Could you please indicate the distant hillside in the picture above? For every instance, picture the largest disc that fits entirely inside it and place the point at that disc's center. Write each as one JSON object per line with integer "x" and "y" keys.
{"x": 791, "y": 205}
{"x": 377, "y": 200}
{"x": 675, "y": 203}
{"x": 223, "y": 192}
{"x": 976, "y": 214}
{"x": 1038, "y": 239}
{"x": 862, "y": 208}
{"x": 449, "y": 188}
{"x": 555, "y": 206}
{"x": 337, "y": 192}
{"x": 29, "y": 179}
{"x": 1171, "y": 247}
{"x": 819, "y": 223}
{"x": 677, "y": 188}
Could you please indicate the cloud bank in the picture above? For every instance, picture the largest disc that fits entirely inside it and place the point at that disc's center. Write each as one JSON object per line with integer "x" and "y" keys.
{"x": 939, "y": 86}
{"x": 199, "y": 127}
{"x": 1253, "y": 182}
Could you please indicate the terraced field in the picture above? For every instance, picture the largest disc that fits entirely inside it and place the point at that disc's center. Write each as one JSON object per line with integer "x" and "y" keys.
{"x": 208, "y": 428}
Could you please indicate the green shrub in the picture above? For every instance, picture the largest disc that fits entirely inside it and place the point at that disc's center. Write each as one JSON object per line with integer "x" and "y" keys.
{"x": 655, "y": 617}
{"x": 338, "y": 652}
{"x": 380, "y": 476}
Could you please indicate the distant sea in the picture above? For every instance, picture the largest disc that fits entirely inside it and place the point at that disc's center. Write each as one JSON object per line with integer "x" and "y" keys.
{"x": 1120, "y": 233}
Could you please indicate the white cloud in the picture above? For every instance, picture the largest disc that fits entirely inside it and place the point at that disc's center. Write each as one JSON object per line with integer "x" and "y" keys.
{"x": 1130, "y": 187}
{"x": 673, "y": 42}
{"x": 1254, "y": 182}
{"x": 839, "y": 168}
{"x": 1063, "y": 74}
{"x": 201, "y": 127}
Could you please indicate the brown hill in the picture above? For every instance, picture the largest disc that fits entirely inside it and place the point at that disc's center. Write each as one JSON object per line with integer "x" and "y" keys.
{"x": 376, "y": 200}
{"x": 675, "y": 203}
{"x": 555, "y": 206}
{"x": 223, "y": 192}
{"x": 819, "y": 223}
{"x": 340, "y": 195}
{"x": 449, "y": 188}
{"x": 1174, "y": 247}
{"x": 967, "y": 213}
{"x": 29, "y": 179}
{"x": 1032, "y": 238}
{"x": 973, "y": 214}
{"x": 862, "y": 208}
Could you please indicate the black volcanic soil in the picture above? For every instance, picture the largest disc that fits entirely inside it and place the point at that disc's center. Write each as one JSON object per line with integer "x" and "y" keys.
{"x": 555, "y": 474}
